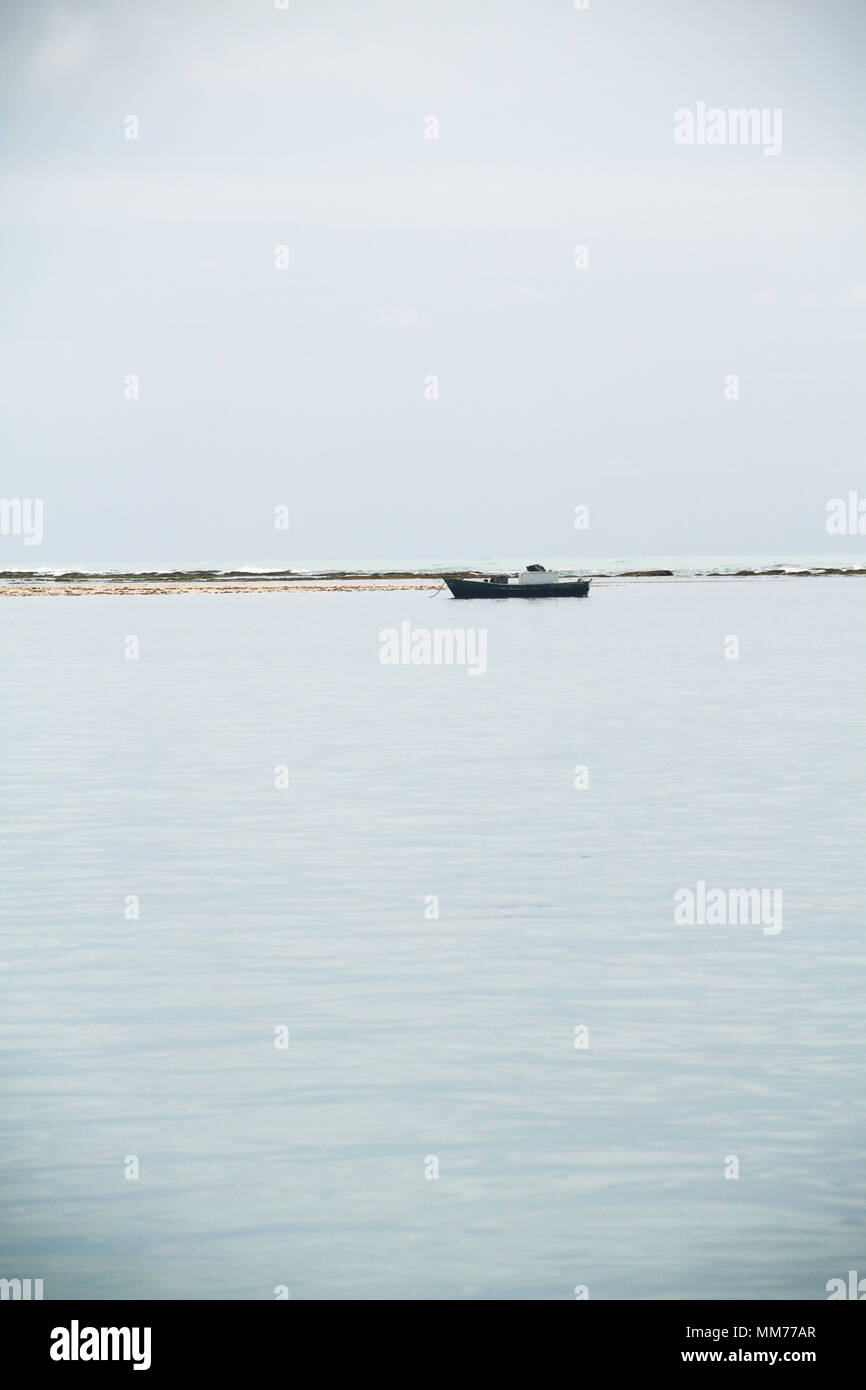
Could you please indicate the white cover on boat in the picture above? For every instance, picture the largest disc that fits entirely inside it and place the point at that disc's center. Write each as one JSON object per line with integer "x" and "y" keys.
{"x": 538, "y": 577}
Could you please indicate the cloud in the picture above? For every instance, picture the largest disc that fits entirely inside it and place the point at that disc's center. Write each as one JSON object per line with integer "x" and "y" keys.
{"x": 521, "y": 292}
{"x": 290, "y": 65}
{"x": 727, "y": 206}
{"x": 400, "y": 318}
{"x": 67, "y": 47}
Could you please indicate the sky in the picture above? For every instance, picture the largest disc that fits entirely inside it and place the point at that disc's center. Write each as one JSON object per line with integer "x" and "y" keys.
{"x": 694, "y": 376}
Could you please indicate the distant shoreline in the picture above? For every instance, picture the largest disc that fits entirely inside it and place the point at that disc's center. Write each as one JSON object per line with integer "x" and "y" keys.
{"x": 76, "y": 584}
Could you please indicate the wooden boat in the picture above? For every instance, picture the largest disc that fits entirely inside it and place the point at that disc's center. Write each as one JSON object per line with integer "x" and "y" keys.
{"x": 542, "y": 584}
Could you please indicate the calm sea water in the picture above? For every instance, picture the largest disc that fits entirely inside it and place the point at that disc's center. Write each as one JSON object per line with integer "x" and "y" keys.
{"x": 414, "y": 1038}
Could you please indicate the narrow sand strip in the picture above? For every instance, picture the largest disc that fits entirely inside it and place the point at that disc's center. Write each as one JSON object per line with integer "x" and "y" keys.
{"x": 75, "y": 589}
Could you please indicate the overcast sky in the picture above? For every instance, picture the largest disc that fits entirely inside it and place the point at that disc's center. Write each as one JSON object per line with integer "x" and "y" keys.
{"x": 412, "y": 257}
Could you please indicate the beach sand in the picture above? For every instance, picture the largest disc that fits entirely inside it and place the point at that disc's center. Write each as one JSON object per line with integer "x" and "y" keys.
{"x": 77, "y": 588}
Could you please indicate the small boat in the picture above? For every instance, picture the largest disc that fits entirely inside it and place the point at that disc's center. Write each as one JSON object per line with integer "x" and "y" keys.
{"x": 533, "y": 582}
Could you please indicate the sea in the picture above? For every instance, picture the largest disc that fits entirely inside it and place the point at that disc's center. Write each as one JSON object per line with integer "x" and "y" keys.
{"x": 332, "y": 977}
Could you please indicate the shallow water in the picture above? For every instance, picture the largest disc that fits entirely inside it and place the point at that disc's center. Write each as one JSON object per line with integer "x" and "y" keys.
{"x": 410, "y": 1036}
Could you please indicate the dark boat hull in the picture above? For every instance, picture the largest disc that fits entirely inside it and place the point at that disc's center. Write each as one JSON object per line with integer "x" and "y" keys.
{"x": 480, "y": 588}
